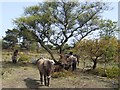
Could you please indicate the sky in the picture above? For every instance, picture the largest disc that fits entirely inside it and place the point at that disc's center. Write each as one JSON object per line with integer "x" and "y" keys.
{"x": 11, "y": 10}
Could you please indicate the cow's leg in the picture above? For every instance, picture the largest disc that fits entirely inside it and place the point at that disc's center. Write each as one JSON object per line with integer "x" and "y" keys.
{"x": 41, "y": 78}
{"x": 48, "y": 79}
{"x": 73, "y": 66}
{"x": 45, "y": 80}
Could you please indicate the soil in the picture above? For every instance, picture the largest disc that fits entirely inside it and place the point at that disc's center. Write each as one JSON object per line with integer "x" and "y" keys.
{"x": 27, "y": 76}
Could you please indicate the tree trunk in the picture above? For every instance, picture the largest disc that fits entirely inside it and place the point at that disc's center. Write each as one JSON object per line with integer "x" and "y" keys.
{"x": 49, "y": 51}
{"x": 95, "y": 63}
{"x": 61, "y": 49}
{"x": 45, "y": 47}
{"x": 83, "y": 65}
{"x": 105, "y": 65}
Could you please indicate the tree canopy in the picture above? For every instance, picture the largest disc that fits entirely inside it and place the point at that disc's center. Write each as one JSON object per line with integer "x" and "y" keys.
{"x": 102, "y": 50}
{"x": 55, "y": 23}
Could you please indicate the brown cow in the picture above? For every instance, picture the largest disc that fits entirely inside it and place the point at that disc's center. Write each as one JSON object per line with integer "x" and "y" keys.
{"x": 68, "y": 61}
{"x": 45, "y": 67}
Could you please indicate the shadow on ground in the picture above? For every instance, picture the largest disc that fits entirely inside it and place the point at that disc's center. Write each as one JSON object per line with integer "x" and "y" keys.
{"x": 32, "y": 83}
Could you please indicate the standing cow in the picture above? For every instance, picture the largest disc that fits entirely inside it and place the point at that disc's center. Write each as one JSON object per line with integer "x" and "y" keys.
{"x": 45, "y": 67}
{"x": 72, "y": 61}
{"x": 68, "y": 60}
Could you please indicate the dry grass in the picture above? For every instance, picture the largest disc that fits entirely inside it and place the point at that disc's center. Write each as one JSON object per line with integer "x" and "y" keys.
{"x": 22, "y": 71}
{"x": 62, "y": 73}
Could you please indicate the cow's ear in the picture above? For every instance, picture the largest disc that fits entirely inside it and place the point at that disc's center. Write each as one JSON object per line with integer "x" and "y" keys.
{"x": 52, "y": 61}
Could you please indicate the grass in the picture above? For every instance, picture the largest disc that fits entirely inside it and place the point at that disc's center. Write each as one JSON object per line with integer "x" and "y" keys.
{"x": 112, "y": 70}
{"x": 63, "y": 73}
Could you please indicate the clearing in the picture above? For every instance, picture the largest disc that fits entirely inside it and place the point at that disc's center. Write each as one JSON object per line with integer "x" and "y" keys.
{"x": 27, "y": 76}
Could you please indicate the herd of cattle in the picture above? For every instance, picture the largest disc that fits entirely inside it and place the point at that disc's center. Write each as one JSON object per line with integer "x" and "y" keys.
{"x": 47, "y": 66}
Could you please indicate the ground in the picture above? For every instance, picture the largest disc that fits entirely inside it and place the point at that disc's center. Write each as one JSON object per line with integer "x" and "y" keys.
{"x": 27, "y": 76}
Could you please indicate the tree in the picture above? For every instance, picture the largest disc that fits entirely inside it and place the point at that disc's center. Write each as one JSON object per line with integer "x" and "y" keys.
{"x": 96, "y": 50}
{"x": 109, "y": 28}
{"x": 11, "y": 38}
{"x": 57, "y": 22}
{"x": 81, "y": 50}
{"x": 110, "y": 48}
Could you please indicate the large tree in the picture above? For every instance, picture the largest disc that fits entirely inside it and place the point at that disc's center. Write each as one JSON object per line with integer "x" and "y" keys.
{"x": 56, "y": 23}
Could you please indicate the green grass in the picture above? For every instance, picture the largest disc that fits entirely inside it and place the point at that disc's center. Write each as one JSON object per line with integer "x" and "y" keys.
{"x": 24, "y": 58}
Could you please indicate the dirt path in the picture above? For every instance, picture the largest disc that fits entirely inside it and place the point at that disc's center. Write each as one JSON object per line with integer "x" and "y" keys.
{"x": 27, "y": 76}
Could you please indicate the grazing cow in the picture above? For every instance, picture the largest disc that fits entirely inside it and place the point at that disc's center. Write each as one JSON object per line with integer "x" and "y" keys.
{"x": 68, "y": 61}
{"x": 57, "y": 68}
{"x": 72, "y": 61}
{"x": 45, "y": 67}
{"x": 63, "y": 61}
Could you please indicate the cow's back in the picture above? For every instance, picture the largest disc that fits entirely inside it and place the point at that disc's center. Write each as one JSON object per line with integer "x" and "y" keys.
{"x": 45, "y": 66}
{"x": 71, "y": 59}
{"x": 40, "y": 65}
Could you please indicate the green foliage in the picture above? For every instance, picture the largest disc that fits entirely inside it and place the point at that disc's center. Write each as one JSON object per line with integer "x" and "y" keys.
{"x": 55, "y": 23}
{"x": 32, "y": 9}
{"x": 33, "y": 47}
{"x": 113, "y": 72}
{"x": 109, "y": 48}
{"x": 96, "y": 50}
{"x": 108, "y": 28}
{"x": 16, "y": 47}
{"x": 24, "y": 58}
{"x": 11, "y": 38}
{"x": 50, "y": 46}
{"x": 66, "y": 47}
{"x": 109, "y": 72}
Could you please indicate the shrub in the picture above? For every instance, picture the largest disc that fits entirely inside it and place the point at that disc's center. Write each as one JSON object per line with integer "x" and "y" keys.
{"x": 23, "y": 58}
{"x": 110, "y": 72}
{"x": 113, "y": 72}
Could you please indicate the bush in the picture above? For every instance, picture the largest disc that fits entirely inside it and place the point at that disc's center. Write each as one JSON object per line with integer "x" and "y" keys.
{"x": 110, "y": 72}
{"x": 23, "y": 58}
{"x": 113, "y": 72}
